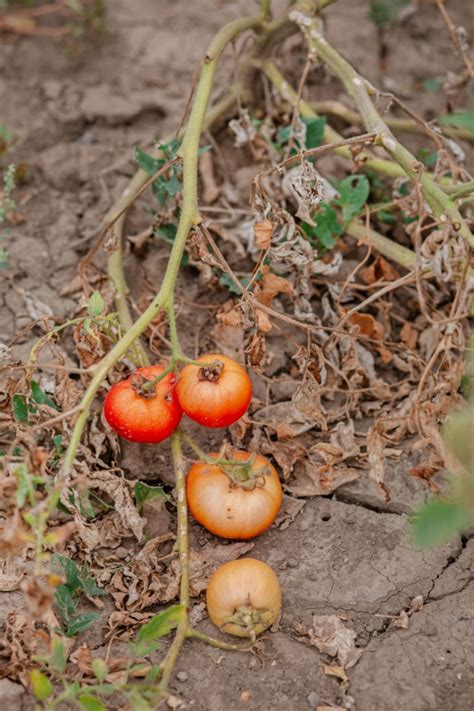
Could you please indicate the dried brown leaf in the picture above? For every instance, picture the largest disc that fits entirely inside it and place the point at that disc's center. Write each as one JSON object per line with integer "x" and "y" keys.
{"x": 335, "y": 670}
{"x": 263, "y": 232}
{"x": 378, "y": 270}
{"x": 331, "y": 636}
{"x": 376, "y": 459}
{"x": 289, "y": 510}
{"x": 313, "y": 480}
{"x": 426, "y": 472}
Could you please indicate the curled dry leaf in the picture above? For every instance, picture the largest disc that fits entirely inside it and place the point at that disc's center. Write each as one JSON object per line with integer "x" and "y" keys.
{"x": 148, "y": 578}
{"x": 284, "y": 419}
{"x": 426, "y": 472}
{"x": 313, "y": 480}
{"x": 20, "y": 640}
{"x": 289, "y": 510}
{"x": 121, "y": 492}
{"x": 331, "y": 636}
{"x": 263, "y": 232}
{"x": 379, "y": 270}
{"x": 286, "y": 454}
{"x": 337, "y": 671}
{"x": 376, "y": 458}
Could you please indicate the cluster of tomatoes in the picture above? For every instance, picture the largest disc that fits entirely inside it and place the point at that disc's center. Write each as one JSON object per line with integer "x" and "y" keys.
{"x": 234, "y": 498}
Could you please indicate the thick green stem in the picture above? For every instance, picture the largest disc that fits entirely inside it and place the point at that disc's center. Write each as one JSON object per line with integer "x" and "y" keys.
{"x": 189, "y": 152}
{"x": 460, "y": 190}
{"x": 442, "y": 206}
{"x": 211, "y": 641}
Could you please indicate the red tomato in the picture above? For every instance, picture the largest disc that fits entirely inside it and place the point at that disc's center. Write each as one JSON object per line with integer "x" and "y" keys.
{"x": 214, "y": 396}
{"x": 227, "y": 508}
{"x": 143, "y": 418}
{"x": 244, "y": 597}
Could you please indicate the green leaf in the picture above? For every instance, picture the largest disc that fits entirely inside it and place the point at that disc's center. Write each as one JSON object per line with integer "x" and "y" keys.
{"x": 314, "y": 131}
{"x": 81, "y": 622}
{"x": 353, "y": 193}
{"x": 157, "y": 627}
{"x": 384, "y": 12}
{"x": 40, "y": 685}
{"x": 461, "y": 119}
{"x": 78, "y": 579}
{"x": 433, "y": 84}
{"x": 386, "y": 216}
{"x": 147, "y": 163}
{"x": 25, "y": 487}
{"x": 41, "y": 397}
{"x": 90, "y": 703}
{"x": 65, "y": 602}
{"x": 327, "y": 228}
{"x": 228, "y": 282}
{"x": 143, "y": 493}
{"x": 95, "y": 304}
{"x": 429, "y": 158}
{"x": 20, "y": 408}
{"x": 166, "y": 232}
{"x": 438, "y": 522}
{"x": 57, "y": 660}
{"x": 100, "y": 669}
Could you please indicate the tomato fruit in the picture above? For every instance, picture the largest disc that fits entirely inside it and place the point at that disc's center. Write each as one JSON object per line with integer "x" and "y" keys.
{"x": 244, "y": 597}
{"x": 214, "y": 396}
{"x": 141, "y": 416}
{"x": 234, "y": 501}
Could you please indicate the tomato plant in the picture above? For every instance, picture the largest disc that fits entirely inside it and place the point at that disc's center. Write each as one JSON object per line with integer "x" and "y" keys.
{"x": 234, "y": 500}
{"x": 244, "y": 597}
{"x": 141, "y": 415}
{"x": 216, "y": 393}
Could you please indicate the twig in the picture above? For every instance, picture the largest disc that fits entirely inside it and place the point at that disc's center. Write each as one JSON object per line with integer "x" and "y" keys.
{"x": 296, "y": 107}
{"x": 456, "y": 40}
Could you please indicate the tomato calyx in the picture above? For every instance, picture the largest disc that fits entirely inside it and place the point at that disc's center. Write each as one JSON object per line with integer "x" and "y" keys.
{"x": 145, "y": 387}
{"x": 248, "y": 618}
{"x": 211, "y": 372}
{"x": 243, "y": 474}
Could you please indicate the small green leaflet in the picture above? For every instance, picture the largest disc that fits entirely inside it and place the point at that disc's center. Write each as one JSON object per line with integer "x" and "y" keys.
{"x": 438, "y": 522}
{"x": 40, "y": 397}
{"x": 20, "y": 408}
{"x": 80, "y": 623}
{"x": 100, "y": 669}
{"x": 143, "y": 493}
{"x": 157, "y": 627}
{"x": 461, "y": 119}
{"x": 432, "y": 84}
{"x": 57, "y": 660}
{"x": 327, "y": 228}
{"x": 95, "y": 304}
{"x": 40, "y": 685}
{"x": 314, "y": 131}
{"x": 26, "y": 486}
{"x": 90, "y": 703}
{"x": 78, "y": 578}
{"x": 353, "y": 193}
{"x": 147, "y": 163}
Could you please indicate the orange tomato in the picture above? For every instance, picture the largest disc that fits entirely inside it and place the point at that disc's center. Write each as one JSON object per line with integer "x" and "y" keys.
{"x": 244, "y": 597}
{"x": 231, "y": 509}
{"x": 214, "y": 396}
{"x": 150, "y": 417}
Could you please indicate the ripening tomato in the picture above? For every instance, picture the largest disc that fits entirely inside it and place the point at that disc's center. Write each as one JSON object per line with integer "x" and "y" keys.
{"x": 143, "y": 416}
{"x": 244, "y": 597}
{"x": 234, "y": 501}
{"x": 214, "y": 396}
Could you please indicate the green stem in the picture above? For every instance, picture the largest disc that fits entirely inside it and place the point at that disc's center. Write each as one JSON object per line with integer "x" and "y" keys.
{"x": 460, "y": 190}
{"x": 189, "y": 152}
{"x": 356, "y": 86}
{"x": 227, "y": 646}
{"x": 183, "y": 549}
{"x": 266, "y": 8}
